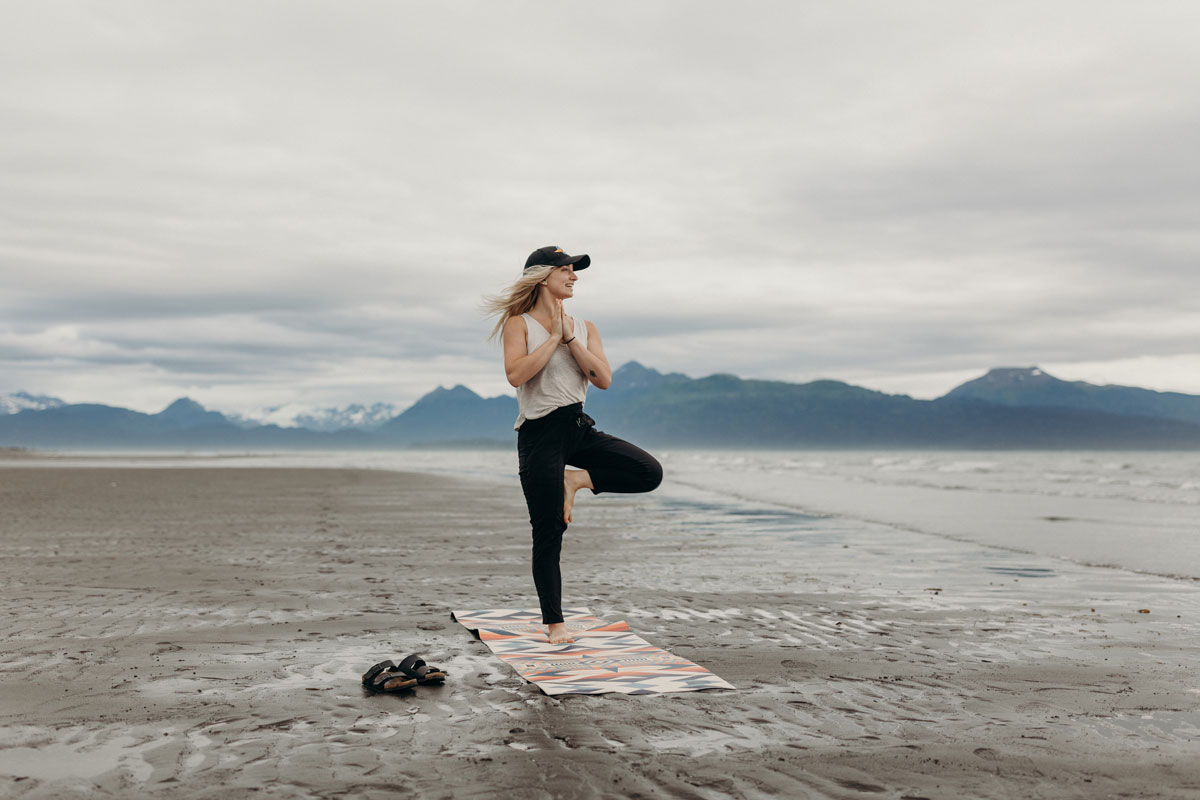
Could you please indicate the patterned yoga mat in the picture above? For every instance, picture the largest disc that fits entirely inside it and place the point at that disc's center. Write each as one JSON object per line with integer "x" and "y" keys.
{"x": 605, "y": 657}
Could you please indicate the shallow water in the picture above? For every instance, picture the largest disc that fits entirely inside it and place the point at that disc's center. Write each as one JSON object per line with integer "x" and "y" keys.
{"x": 1138, "y": 511}
{"x": 1130, "y": 510}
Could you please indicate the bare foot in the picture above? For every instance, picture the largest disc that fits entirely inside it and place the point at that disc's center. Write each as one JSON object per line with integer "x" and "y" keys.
{"x": 558, "y": 633}
{"x": 573, "y": 481}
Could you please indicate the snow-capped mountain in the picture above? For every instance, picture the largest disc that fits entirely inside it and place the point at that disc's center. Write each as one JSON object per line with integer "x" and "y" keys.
{"x": 19, "y": 401}
{"x": 295, "y": 415}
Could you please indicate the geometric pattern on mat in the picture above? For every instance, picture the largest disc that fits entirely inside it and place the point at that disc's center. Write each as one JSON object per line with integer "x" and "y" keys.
{"x": 605, "y": 657}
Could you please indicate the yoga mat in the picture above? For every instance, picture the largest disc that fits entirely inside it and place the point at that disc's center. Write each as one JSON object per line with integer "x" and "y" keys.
{"x": 605, "y": 657}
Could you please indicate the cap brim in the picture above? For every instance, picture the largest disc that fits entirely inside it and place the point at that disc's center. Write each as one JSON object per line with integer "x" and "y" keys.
{"x": 579, "y": 262}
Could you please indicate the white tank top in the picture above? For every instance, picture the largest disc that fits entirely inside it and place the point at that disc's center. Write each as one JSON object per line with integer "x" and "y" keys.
{"x": 560, "y": 383}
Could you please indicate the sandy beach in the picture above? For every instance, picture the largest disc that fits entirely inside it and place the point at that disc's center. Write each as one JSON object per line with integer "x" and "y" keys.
{"x": 200, "y": 632}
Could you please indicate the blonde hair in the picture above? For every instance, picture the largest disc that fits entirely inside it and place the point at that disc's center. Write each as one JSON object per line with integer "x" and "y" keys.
{"x": 517, "y": 299}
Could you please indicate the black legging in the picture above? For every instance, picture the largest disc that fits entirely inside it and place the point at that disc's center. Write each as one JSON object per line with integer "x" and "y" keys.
{"x": 544, "y": 447}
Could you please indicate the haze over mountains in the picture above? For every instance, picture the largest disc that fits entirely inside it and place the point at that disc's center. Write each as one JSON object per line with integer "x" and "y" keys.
{"x": 19, "y": 401}
{"x": 355, "y": 415}
{"x": 1006, "y": 408}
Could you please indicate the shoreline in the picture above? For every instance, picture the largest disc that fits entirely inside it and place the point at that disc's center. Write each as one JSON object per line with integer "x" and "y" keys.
{"x": 1040, "y": 529}
{"x": 218, "y": 619}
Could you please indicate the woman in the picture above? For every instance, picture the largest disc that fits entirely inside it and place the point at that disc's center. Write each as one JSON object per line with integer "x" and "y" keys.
{"x": 551, "y": 359}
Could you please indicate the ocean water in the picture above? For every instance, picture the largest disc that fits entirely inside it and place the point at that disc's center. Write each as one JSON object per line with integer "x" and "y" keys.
{"x": 1138, "y": 511}
{"x": 1132, "y": 510}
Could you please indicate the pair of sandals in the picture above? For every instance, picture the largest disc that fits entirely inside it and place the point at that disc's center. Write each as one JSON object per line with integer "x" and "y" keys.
{"x": 387, "y": 676}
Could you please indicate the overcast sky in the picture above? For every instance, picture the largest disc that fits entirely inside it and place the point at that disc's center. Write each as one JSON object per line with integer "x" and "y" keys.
{"x": 260, "y": 203}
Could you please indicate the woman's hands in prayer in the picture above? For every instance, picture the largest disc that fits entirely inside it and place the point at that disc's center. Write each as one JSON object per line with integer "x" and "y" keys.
{"x": 564, "y": 325}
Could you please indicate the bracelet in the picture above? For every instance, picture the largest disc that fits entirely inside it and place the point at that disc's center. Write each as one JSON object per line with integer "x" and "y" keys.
{"x": 568, "y": 341}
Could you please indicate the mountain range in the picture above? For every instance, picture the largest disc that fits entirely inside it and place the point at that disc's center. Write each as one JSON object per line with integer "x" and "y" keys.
{"x": 356, "y": 415}
{"x": 19, "y": 401}
{"x": 1032, "y": 387}
{"x": 1009, "y": 408}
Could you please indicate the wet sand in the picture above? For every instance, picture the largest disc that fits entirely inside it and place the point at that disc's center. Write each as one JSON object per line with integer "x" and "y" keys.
{"x": 176, "y": 632}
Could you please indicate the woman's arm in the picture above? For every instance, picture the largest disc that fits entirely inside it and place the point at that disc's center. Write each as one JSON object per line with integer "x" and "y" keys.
{"x": 591, "y": 359}
{"x": 519, "y": 364}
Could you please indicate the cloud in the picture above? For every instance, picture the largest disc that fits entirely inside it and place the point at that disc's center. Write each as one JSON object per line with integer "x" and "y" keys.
{"x": 282, "y": 198}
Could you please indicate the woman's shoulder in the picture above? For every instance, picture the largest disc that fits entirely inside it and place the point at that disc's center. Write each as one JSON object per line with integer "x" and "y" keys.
{"x": 516, "y": 325}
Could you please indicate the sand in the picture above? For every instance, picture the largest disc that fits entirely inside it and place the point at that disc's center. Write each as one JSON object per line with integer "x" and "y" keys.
{"x": 195, "y": 632}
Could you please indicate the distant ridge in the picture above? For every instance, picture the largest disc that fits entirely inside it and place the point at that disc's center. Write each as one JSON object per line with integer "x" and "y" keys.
{"x": 1005, "y": 409}
{"x": 187, "y": 413}
{"x": 330, "y": 418}
{"x": 183, "y": 424}
{"x": 445, "y": 415}
{"x": 727, "y": 411}
{"x": 20, "y": 401}
{"x": 1031, "y": 386}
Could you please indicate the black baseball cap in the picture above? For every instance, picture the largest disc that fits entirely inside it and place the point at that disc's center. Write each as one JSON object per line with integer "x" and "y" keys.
{"x": 553, "y": 256}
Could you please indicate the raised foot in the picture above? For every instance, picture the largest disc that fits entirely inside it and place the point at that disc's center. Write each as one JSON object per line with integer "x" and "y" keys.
{"x": 573, "y": 481}
{"x": 559, "y": 635}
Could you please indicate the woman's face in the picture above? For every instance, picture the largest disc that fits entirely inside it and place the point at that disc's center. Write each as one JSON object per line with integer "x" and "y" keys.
{"x": 561, "y": 282}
